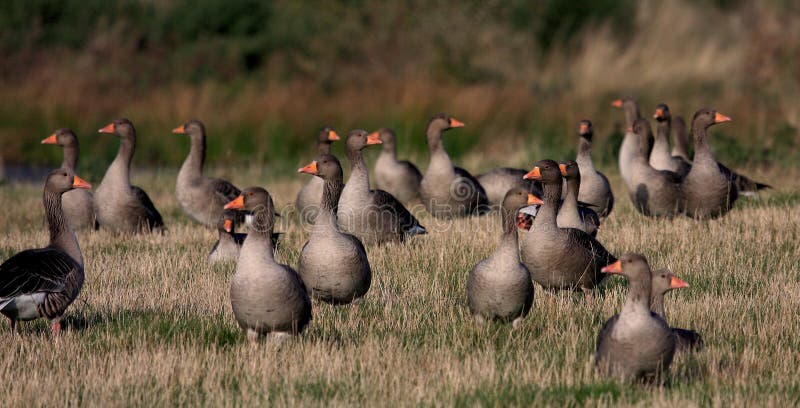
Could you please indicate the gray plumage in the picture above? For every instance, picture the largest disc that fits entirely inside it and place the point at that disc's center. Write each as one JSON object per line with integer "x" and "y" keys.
{"x": 77, "y": 203}
{"x": 399, "y": 178}
{"x": 570, "y": 215}
{"x": 119, "y": 206}
{"x": 595, "y": 189}
{"x": 309, "y": 197}
{"x": 333, "y": 265}
{"x": 656, "y": 193}
{"x": 636, "y": 343}
{"x": 663, "y": 282}
{"x": 267, "y": 298}
{"x": 447, "y": 191}
{"x": 499, "y": 287}
{"x": 229, "y": 243}
{"x": 44, "y": 282}
{"x": 630, "y": 143}
{"x": 660, "y": 157}
{"x": 200, "y": 197}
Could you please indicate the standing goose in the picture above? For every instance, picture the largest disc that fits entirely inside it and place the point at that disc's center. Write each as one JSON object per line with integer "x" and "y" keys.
{"x": 267, "y": 298}
{"x": 200, "y": 197}
{"x": 656, "y": 193}
{"x": 333, "y": 265}
{"x": 398, "y": 178}
{"x": 498, "y": 181}
{"x": 119, "y": 206}
{"x": 663, "y": 282}
{"x": 448, "y": 191}
{"x": 499, "y": 287}
{"x": 710, "y": 190}
{"x": 560, "y": 258}
{"x": 660, "y": 157}
{"x": 595, "y": 188}
{"x": 310, "y": 195}
{"x": 570, "y": 215}
{"x": 374, "y": 216}
{"x": 630, "y": 143}
{"x": 636, "y": 343}
{"x": 76, "y": 203}
{"x": 43, "y": 282}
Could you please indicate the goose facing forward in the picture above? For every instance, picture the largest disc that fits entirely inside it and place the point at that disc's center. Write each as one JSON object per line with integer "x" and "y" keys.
{"x": 448, "y": 191}
{"x": 76, "y": 203}
{"x": 43, "y": 282}
{"x": 200, "y": 197}
{"x": 636, "y": 343}
{"x": 310, "y": 195}
{"x": 499, "y": 287}
{"x": 399, "y": 178}
{"x": 570, "y": 215}
{"x": 660, "y": 157}
{"x": 333, "y": 265}
{"x": 120, "y": 206}
{"x": 268, "y": 298}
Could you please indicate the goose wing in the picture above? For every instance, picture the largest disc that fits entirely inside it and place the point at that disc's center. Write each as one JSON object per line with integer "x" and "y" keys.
{"x": 35, "y": 270}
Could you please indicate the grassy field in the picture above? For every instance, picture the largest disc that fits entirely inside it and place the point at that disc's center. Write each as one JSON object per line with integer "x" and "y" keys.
{"x": 153, "y": 325}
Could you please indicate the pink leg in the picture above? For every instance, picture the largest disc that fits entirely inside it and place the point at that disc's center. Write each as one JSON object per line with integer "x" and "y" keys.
{"x": 56, "y": 327}
{"x": 13, "y": 324}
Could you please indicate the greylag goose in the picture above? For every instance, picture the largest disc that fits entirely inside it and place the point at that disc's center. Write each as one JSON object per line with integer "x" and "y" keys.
{"x": 43, "y": 282}
{"x": 498, "y": 181}
{"x": 630, "y": 143}
{"x": 499, "y": 287}
{"x": 709, "y": 188}
{"x": 76, "y": 203}
{"x": 267, "y": 298}
{"x": 595, "y": 188}
{"x": 660, "y": 157}
{"x": 636, "y": 343}
{"x": 309, "y": 196}
{"x": 656, "y": 193}
{"x": 399, "y": 178}
{"x": 230, "y": 242}
{"x": 119, "y": 206}
{"x": 374, "y": 216}
{"x": 200, "y": 197}
{"x": 680, "y": 139}
{"x": 560, "y": 258}
{"x": 448, "y": 191}
{"x": 333, "y": 265}
{"x": 663, "y": 282}
{"x": 570, "y": 215}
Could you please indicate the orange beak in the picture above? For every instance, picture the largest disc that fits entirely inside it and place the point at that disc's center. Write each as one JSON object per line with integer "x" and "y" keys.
{"x": 236, "y": 204}
{"x": 455, "y": 123}
{"x": 584, "y": 128}
{"x": 563, "y": 168}
{"x": 110, "y": 128}
{"x": 659, "y": 113}
{"x": 373, "y": 139}
{"x": 179, "y": 130}
{"x": 228, "y": 226}
{"x": 50, "y": 139}
{"x": 630, "y": 129}
{"x": 615, "y": 267}
{"x": 719, "y": 118}
{"x": 332, "y": 136}
{"x": 532, "y": 199}
{"x": 309, "y": 169}
{"x": 675, "y": 283}
{"x": 533, "y": 174}
{"x": 78, "y": 182}
{"x": 617, "y": 103}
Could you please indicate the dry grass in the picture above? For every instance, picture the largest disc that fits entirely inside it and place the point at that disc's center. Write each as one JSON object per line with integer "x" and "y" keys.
{"x": 153, "y": 325}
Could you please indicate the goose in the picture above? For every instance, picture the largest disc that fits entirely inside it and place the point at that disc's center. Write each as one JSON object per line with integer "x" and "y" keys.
{"x": 499, "y": 287}
{"x": 663, "y": 282}
{"x": 76, "y": 203}
{"x": 230, "y": 242}
{"x": 636, "y": 343}
{"x": 268, "y": 298}
{"x": 43, "y": 282}
{"x": 374, "y": 216}
{"x": 595, "y": 188}
{"x": 448, "y": 191}
{"x": 200, "y": 197}
{"x": 656, "y": 193}
{"x": 570, "y": 215}
{"x": 560, "y": 258}
{"x": 333, "y": 265}
{"x": 680, "y": 139}
{"x": 309, "y": 196}
{"x": 660, "y": 157}
{"x": 399, "y": 178}
{"x": 630, "y": 143}
{"x": 498, "y": 181}
{"x": 119, "y": 206}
